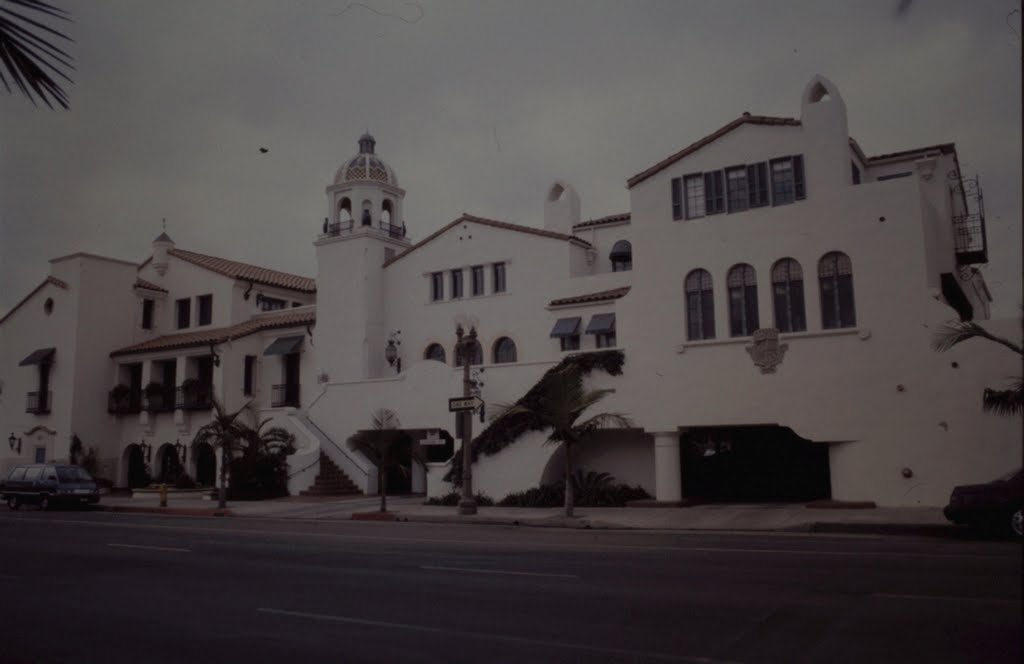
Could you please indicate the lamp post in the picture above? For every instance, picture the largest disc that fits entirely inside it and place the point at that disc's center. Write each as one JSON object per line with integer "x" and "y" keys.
{"x": 15, "y": 443}
{"x": 465, "y": 344}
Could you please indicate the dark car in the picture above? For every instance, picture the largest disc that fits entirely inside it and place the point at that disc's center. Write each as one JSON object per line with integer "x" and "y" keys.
{"x": 994, "y": 505}
{"x": 47, "y": 484}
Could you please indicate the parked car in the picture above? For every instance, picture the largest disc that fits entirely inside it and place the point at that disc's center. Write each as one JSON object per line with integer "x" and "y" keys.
{"x": 997, "y": 504}
{"x": 47, "y": 485}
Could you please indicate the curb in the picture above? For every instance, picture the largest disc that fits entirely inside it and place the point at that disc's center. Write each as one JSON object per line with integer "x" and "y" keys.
{"x": 920, "y": 529}
{"x": 578, "y": 523}
{"x": 174, "y": 511}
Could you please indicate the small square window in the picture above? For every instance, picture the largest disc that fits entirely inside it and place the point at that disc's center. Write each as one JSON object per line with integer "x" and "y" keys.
{"x": 477, "y": 278}
{"x": 436, "y": 286}
{"x": 184, "y": 310}
{"x": 605, "y": 340}
{"x": 571, "y": 342}
{"x": 204, "y": 307}
{"x": 147, "y": 314}
{"x": 40, "y": 455}
{"x": 456, "y": 283}
{"x": 499, "y": 278}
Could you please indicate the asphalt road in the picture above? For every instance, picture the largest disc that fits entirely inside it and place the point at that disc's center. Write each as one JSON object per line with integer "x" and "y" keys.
{"x": 92, "y": 587}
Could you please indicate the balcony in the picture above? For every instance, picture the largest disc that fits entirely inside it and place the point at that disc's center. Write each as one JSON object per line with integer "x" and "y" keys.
{"x": 38, "y": 403}
{"x": 160, "y": 399}
{"x": 333, "y": 229}
{"x": 284, "y": 395}
{"x": 120, "y": 402}
{"x": 195, "y": 396}
{"x": 397, "y": 232}
{"x": 969, "y": 238}
{"x": 336, "y": 228}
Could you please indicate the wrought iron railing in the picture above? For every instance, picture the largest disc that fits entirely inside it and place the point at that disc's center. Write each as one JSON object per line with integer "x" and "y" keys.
{"x": 284, "y": 395}
{"x": 124, "y": 403}
{"x": 38, "y": 403}
{"x": 392, "y": 230}
{"x": 195, "y": 397}
{"x": 331, "y": 229}
{"x": 160, "y": 401}
{"x": 969, "y": 237}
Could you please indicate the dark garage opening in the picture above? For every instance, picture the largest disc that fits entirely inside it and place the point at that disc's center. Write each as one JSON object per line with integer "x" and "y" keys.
{"x": 753, "y": 464}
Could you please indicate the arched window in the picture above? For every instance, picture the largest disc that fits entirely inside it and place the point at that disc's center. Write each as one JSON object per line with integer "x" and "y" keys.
{"x": 788, "y": 296}
{"x": 504, "y": 350}
{"x": 700, "y": 306}
{"x": 435, "y": 352}
{"x": 366, "y": 219}
{"x": 835, "y": 280}
{"x": 345, "y": 210}
{"x": 742, "y": 284}
{"x": 476, "y": 355}
{"x": 387, "y": 212}
{"x": 621, "y": 256}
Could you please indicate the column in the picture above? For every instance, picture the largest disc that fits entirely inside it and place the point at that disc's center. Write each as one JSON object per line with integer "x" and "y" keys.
{"x": 668, "y": 483}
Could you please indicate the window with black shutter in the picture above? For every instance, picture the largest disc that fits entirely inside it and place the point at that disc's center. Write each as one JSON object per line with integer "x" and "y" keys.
{"x": 856, "y": 173}
{"x": 677, "y": 198}
{"x": 694, "y": 186}
{"x": 757, "y": 182}
{"x": 184, "y": 309}
{"x": 204, "y": 304}
{"x": 250, "y": 365}
{"x": 714, "y": 193}
{"x": 456, "y": 283}
{"x": 147, "y": 314}
{"x": 788, "y": 296}
{"x": 742, "y": 284}
{"x": 736, "y": 186}
{"x": 700, "y": 306}
{"x": 835, "y": 280}
{"x": 436, "y": 286}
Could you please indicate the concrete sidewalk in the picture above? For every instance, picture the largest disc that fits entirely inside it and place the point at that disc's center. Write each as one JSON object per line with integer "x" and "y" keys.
{"x": 722, "y": 517}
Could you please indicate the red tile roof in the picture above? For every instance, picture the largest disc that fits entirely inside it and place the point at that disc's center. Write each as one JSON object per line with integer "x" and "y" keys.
{"x": 944, "y": 148}
{"x": 219, "y": 335}
{"x": 53, "y": 281}
{"x": 488, "y": 222}
{"x": 148, "y": 285}
{"x": 243, "y": 271}
{"x": 601, "y": 296}
{"x": 610, "y": 219}
{"x": 746, "y": 118}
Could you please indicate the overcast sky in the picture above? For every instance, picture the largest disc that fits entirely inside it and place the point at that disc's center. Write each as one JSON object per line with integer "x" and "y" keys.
{"x": 478, "y": 106}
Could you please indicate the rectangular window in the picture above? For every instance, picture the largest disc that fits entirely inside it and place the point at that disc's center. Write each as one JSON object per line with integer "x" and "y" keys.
{"x": 147, "y": 314}
{"x": 456, "y": 283}
{"x": 247, "y": 379}
{"x": 571, "y": 342}
{"x": 184, "y": 307}
{"x": 787, "y": 180}
{"x": 714, "y": 193}
{"x": 694, "y": 196}
{"x": 297, "y": 304}
{"x": 757, "y": 183}
{"x": 436, "y": 286}
{"x": 271, "y": 303}
{"x": 499, "y": 278}
{"x": 204, "y": 313}
{"x": 477, "y": 272}
{"x": 737, "y": 187}
{"x": 605, "y": 340}
{"x": 677, "y": 198}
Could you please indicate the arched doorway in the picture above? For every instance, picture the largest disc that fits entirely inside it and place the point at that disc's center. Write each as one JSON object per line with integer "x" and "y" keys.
{"x": 135, "y": 464}
{"x": 206, "y": 465}
{"x": 168, "y": 464}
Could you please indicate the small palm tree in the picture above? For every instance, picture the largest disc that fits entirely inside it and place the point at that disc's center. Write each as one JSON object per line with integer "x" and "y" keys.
{"x": 263, "y": 464}
{"x": 382, "y": 445}
{"x": 562, "y": 402}
{"x": 27, "y": 50}
{"x": 225, "y": 433}
{"x": 1001, "y": 402}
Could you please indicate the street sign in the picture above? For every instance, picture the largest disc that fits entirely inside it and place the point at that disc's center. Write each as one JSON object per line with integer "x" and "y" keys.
{"x": 460, "y": 404}
{"x": 432, "y": 438}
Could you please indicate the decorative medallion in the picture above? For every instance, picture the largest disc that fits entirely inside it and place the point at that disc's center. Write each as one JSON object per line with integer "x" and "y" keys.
{"x": 766, "y": 350}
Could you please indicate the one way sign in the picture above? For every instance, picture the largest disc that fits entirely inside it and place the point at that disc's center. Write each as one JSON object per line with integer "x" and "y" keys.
{"x": 460, "y": 404}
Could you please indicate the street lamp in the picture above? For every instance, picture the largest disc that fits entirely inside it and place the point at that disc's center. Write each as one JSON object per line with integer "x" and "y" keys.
{"x": 15, "y": 443}
{"x": 391, "y": 351}
{"x": 465, "y": 345}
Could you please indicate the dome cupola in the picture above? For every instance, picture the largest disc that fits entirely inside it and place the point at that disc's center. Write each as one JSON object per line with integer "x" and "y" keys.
{"x": 366, "y": 165}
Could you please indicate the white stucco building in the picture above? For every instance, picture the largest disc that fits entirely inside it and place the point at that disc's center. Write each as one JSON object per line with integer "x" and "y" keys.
{"x": 773, "y": 290}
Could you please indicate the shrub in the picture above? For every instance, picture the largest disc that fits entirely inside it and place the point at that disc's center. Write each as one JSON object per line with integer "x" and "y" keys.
{"x": 184, "y": 482}
{"x": 591, "y": 489}
{"x": 452, "y": 499}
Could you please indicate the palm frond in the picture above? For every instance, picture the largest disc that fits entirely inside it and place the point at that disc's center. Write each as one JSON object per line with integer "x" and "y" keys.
{"x": 955, "y": 332}
{"x": 26, "y": 56}
{"x": 1004, "y": 402}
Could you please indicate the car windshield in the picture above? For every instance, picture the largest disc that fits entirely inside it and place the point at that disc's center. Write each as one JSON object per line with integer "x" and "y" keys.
{"x": 72, "y": 474}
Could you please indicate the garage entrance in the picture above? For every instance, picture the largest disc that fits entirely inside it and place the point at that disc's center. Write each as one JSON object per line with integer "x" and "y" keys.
{"x": 753, "y": 464}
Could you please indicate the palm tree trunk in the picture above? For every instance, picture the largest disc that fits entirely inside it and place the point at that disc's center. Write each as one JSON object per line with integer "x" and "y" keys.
{"x": 222, "y": 495}
{"x": 382, "y": 482}
{"x": 568, "y": 480}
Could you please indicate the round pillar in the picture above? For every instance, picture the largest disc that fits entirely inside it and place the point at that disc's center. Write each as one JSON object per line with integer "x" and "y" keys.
{"x": 668, "y": 482}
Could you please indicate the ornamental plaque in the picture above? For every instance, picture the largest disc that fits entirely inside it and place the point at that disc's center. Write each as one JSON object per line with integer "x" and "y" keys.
{"x": 766, "y": 350}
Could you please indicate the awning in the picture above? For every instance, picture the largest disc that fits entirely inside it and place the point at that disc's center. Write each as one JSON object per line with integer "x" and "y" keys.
{"x": 41, "y": 356}
{"x": 284, "y": 345}
{"x": 601, "y": 324}
{"x": 566, "y": 327}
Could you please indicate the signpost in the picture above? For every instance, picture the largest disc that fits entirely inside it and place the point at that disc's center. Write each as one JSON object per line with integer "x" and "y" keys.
{"x": 462, "y": 404}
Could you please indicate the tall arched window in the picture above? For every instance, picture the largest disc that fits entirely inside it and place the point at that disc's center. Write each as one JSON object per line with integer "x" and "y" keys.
{"x": 435, "y": 352}
{"x": 504, "y": 350}
{"x": 742, "y": 284}
{"x": 700, "y": 306}
{"x": 387, "y": 212}
{"x": 621, "y": 256}
{"x": 835, "y": 280}
{"x": 476, "y": 355}
{"x": 345, "y": 210}
{"x": 788, "y": 296}
{"x": 366, "y": 219}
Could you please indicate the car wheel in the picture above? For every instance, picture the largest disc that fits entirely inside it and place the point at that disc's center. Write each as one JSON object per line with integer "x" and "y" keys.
{"x": 13, "y": 502}
{"x": 1017, "y": 523}
{"x": 44, "y": 502}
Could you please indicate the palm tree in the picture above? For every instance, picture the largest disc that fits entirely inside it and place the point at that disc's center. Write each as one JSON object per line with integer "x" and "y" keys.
{"x": 25, "y": 56}
{"x": 264, "y": 453}
{"x": 561, "y": 403}
{"x": 1000, "y": 402}
{"x": 382, "y": 445}
{"x": 224, "y": 432}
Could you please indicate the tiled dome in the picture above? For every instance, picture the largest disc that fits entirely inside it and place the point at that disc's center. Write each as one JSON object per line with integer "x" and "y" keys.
{"x": 366, "y": 165}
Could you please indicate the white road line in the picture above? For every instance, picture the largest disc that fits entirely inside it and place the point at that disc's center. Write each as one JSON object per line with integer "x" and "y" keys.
{"x": 535, "y": 544}
{"x": 496, "y": 571}
{"x": 497, "y": 637}
{"x": 151, "y": 548}
{"x": 949, "y": 598}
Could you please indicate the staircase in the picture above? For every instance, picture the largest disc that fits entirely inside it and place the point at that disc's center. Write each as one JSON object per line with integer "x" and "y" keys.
{"x": 330, "y": 481}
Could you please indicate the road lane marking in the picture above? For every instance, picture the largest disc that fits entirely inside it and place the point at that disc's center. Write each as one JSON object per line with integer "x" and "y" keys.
{"x": 151, "y": 548}
{"x": 496, "y": 571}
{"x": 950, "y": 598}
{"x": 536, "y": 544}
{"x": 496, "y": 637}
